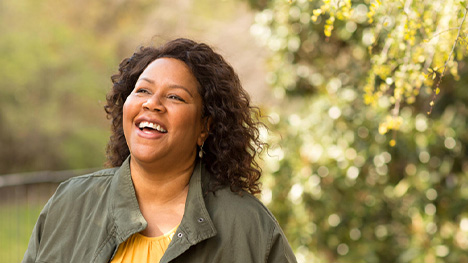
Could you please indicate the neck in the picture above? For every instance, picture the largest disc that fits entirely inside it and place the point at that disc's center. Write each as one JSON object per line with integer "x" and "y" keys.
{"x": 160, "y": 186}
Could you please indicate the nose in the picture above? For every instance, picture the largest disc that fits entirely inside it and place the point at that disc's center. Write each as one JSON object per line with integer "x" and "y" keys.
{"x": 154, "y": 104}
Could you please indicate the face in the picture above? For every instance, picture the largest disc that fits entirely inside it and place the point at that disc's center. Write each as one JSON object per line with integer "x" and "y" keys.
{"x": 162, "y": 116}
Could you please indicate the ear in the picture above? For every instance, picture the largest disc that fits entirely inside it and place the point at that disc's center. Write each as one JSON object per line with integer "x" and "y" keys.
{"x": 206, "y": 127}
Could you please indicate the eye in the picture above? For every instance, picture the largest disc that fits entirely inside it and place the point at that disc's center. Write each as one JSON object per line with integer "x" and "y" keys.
{"x": 142, "y": 90}
{"x": 175, "y": 97}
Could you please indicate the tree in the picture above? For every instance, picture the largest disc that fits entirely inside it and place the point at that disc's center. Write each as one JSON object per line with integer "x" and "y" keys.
{"x": 54, "y": 68}
{"x": 408, "y": 45}
{"x": 347, "y": 73}
{"x": 57, "y": 58}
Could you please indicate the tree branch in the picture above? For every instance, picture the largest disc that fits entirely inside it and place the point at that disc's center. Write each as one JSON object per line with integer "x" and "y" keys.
{"x": 446, "y": 63}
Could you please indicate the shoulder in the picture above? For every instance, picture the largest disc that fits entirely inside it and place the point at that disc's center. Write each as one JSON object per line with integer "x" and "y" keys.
{"x": 86, "y": 181}
{"x": 76, "y": 216}
{"x": 243, "y": 222}
{"x": 84, "y": 187}
{"x": 80, "y": 199}
{"x": 243, "y": 208}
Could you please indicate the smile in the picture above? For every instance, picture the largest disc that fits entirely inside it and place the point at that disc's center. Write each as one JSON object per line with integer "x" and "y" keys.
{"x": 153, "y": 126}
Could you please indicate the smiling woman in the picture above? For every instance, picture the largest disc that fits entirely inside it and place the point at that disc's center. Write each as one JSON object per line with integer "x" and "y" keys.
{"x": 165, "y": 96}
{"x": 184, "y": 143}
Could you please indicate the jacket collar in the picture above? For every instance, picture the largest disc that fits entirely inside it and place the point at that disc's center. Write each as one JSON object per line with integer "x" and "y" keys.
{"x": 124, "y": 206}
{"x": 196, "y": 224}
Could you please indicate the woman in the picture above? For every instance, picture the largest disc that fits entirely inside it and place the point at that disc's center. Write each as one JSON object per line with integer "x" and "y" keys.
{"x": 184, "y": 141}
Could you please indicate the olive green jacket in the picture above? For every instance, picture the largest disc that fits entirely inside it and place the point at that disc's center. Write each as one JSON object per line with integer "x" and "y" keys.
{"x": 89, "y": 216}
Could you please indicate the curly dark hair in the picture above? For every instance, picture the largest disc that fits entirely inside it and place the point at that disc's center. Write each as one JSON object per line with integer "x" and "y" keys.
{"x": 233, "y": 142}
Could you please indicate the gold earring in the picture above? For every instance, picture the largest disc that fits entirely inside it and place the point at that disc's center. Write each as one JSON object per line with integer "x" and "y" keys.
{"x": 200, "y": 153}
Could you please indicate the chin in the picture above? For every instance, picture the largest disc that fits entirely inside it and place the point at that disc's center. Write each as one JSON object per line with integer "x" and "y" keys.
{"x": 143, "y": 156}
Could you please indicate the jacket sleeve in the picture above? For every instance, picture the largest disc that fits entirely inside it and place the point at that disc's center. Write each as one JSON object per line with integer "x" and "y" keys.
{"x": 280, "y": 250}
{"x": 36, "y": 236}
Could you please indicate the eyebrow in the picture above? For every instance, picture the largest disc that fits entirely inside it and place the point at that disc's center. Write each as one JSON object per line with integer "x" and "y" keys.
{"x": 174, "y": 86}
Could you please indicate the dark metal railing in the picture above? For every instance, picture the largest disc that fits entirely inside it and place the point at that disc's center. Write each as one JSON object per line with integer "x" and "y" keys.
{"x": 41, "y": 177}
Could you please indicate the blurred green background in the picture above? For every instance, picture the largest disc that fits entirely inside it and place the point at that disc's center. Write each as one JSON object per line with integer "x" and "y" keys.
{"x": 357, "y": 171}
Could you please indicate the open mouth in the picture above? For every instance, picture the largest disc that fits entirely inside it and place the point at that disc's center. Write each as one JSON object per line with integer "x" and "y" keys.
{"x": 151, "y": 127}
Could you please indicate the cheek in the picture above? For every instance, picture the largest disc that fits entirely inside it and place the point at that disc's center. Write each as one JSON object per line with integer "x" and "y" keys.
{"x": 129, "y": 106}
{"x": 127, "y": 114}
{"x": 188, "y": 121}
{"x": 124, "y": 113}
{"x": 191, "y": 118}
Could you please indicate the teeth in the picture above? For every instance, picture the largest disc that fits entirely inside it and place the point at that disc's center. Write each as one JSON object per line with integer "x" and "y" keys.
{"x": 154, "y": 126}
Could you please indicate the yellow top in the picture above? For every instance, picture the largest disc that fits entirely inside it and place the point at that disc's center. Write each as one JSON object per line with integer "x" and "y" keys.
{"x": 142, "y": 249}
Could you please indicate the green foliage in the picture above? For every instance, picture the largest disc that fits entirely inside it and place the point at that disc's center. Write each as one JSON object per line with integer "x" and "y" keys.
{"x": 409, "y": 44}
{"x": 54, "y": 74}
{"x": 56, "y": 59}
{"x": 344, "y": 195}
{"x": 343, "y": 189}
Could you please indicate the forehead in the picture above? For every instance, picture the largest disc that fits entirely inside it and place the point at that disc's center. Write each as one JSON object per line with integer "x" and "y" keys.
{"x": 170, "y": 70}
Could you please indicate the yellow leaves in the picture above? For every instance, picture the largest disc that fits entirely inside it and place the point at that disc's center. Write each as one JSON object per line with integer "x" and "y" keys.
{"x": 328, "y": 30}
{"x": 411, "y": 28}
{"x": 370, "y": 15}
{"x": 372, "y": 11}
{"x": 383, "y": 87}
{"x": 383, "y": 71}
{"x": 370, "y": 99}
{"x": 432, "y": 73}
{"x": 341, "y": 10}
{"x": 410, "y": 46}
{"x": 315, "y": 14}
{"x": 329, "y": 26}
{"x": 390, "y": 123}
{"x": 383, "y": 128}
{"x": 370, "y": 96}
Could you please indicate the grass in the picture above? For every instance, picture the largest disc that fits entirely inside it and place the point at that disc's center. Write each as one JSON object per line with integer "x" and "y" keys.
{"x": 16, "y": 224}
